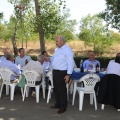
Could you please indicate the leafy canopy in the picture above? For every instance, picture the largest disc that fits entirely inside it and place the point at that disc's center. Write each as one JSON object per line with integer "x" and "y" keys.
{"x": 94, "y": 33}
{"x": 112, "y": 13}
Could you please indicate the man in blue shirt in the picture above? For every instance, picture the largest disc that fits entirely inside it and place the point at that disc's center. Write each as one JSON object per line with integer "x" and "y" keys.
{"x": 90, "y": 63}
{"x": 21, "y": 59}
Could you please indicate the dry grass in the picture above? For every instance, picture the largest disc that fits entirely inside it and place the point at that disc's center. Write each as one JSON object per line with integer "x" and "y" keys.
{"x": 79, "y": 48}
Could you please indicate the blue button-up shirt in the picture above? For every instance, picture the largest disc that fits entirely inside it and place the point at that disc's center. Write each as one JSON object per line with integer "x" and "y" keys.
{"x": 11, "y": 66}
{"x": 21, "y": 61}
{"x": 86, "y": 64}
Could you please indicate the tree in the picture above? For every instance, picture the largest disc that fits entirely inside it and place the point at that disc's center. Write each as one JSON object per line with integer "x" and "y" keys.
{"x": 66, "y": 26}
{"x": 94, "y": 33}
{"x": 1, "y": 16}
{"x": 112, "y": 13}
{"x": 47, "y": 16}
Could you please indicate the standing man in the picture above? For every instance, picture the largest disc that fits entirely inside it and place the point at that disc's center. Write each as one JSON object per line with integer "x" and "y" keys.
{"x": 21, "y": 59}
{"x": 63, "y": 64}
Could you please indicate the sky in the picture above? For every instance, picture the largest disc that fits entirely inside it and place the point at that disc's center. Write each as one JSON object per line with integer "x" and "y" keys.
{"x": 78, "y": 8}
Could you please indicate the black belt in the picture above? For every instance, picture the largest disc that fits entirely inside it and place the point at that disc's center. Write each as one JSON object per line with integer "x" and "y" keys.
{"x": 59, "y": 70}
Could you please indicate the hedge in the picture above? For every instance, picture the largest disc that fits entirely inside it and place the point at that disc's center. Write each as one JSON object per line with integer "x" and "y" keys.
{"x": 103, "y": 60}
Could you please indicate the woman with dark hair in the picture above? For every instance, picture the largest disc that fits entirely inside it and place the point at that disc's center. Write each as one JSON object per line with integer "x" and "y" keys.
{"x": 109, "y": 88}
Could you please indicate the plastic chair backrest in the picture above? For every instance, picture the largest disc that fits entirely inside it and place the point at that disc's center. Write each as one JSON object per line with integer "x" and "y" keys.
{"x": 89, "y": 81}
{"x": 6, "y": 74}
{"x": 49, "y": 74}
{"x": 31, "y": 76}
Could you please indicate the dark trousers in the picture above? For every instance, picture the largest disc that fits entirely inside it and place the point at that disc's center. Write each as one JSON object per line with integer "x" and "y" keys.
{"x": 60, "y": 88}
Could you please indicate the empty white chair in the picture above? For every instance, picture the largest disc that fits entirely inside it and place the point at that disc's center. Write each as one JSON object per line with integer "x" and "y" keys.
{"x": 50, "y": 87}
{"x": 31, "y": 76}
{"x": 5, "y": 75}
{"x": 89, "y": 82}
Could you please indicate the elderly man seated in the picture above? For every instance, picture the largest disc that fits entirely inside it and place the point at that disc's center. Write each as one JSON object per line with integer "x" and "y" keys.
{"x": 5, "y": 52}
{"x": 37, "y": 66}
{"x": 91, "y": 62}
{"x": 8, "y": 63}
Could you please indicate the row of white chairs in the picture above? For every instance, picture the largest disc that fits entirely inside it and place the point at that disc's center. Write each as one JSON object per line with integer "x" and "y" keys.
{"x": 30, "y": 76}
{"x": 88, "y": 81}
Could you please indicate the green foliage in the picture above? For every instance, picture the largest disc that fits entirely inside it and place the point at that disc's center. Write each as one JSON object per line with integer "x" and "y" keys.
{"x": 112, "y": 13}
{"x": 95, "y": 34}
{"x": 1, "y": 16}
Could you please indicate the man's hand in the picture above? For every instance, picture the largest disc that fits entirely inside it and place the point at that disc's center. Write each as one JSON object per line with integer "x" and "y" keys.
{"x": 67, "y": 77}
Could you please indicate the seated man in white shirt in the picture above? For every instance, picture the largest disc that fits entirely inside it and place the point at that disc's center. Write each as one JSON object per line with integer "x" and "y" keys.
{"x": 37, "y": 66}
{"x": 8, "y": 63}
{"x": 21, "y": 59}
{"x": 5, "y": 52}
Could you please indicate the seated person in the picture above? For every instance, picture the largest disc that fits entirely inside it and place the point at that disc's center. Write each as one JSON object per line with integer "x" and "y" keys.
{"x": 109, "y": 87}
{"x": 91, "y": 62}
{"x": 8, "y": 63}
{"x": 47, "y": 61}
{"x": 21, "y": 59}
{"x": 37, "y": 66}
{"x": 5, "y": 52}
{"x": 47, "y": 56}
{"x": 114, "y": 66}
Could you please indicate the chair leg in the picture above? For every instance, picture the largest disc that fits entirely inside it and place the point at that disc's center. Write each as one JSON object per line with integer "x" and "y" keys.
{"x": 43, "y": 89}
{"x": 81, "y": 97}
{"x": 95, "y": 100}
{"x": 7, "y": 89}
{"x": 24, "y": 93}
{"x": 27, "y": 91}
{"x": 102, "y": 106}
{"x": 37, "y": 88}
{"x": 74, "y": 93}
{"x": 67, "y": 91}
{"x": 12, "y": 89}
{"x": 49, "y": 92}
{"x": 91, "y": 98}
{"x": 1, "y": 89}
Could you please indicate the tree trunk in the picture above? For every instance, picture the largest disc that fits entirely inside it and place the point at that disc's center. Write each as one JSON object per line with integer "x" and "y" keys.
{"x": 40, "y": 28}
{"x": 14, "y": 40}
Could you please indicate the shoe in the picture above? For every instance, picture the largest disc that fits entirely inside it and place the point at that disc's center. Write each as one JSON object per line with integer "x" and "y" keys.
{"x": 54, "y": 107}
{"x": 60, "y": 111}
{"x": 33, "y": 94}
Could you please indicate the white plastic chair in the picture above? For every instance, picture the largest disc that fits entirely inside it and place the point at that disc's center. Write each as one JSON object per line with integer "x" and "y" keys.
{"x": 50, "y": 87}
{"x": 5, "y": 75}
{"x": 89, "y": 82}
{"x": 31, "y": 77}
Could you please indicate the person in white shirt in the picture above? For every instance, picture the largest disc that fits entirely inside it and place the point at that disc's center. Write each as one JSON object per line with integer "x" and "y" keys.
{"x": 114, "y": 66}
{"x": 8, "y": 63}
{"x": 37, "y": 66}
{"x": 21, "y": 59}
{"x": 5, "y": 52}
{"x": 63, "y": 64}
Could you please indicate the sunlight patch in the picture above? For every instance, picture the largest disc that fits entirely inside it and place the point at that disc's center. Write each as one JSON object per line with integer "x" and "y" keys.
{"x": 2, "y": 108}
